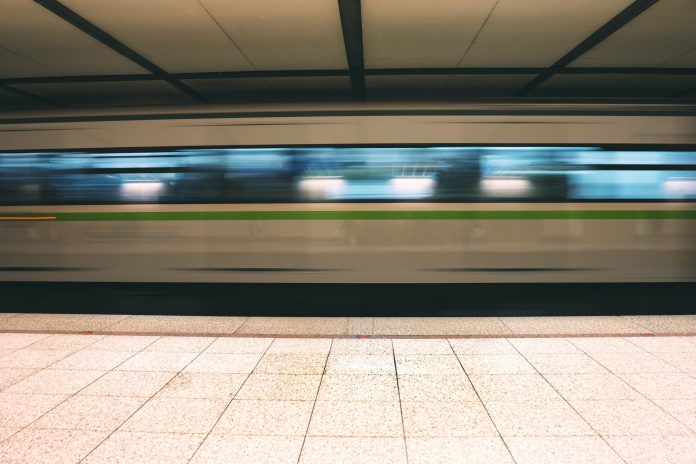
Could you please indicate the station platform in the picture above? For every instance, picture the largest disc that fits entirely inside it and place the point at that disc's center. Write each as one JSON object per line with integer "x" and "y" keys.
{"x": 142, "y": 389}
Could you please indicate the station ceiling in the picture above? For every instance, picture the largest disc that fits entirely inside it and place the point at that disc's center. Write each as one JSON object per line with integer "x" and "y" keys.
{"x": 96, "y": 53}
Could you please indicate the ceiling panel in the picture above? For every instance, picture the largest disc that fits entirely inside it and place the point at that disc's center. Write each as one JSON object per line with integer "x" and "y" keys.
{"x": 176, "y": 35}
{"x": 663, "y": 35}
{"x": 417, "y": 33}
{"x": 537, "y": 32}
{"x": 282, "y": 34}
{"x": 53, "y": 46}
{"x": 109, "y": 93}
{"x": 614, "y": 85}
{"x": 273, "y": 89}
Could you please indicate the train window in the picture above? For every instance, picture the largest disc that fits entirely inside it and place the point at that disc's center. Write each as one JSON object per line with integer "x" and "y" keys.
{"x": 335, "y": 174}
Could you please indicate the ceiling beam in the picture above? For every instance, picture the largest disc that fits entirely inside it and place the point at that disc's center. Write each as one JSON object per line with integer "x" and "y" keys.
{"x": 65, "y": 13}
{"x": 343, "y": 72}
{"x": 351, "y": 23}
{"x": 25, "y": 94}
{"x": 614, "y": 24}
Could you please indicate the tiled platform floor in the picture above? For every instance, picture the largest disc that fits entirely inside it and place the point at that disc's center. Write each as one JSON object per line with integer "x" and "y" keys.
{"x": 68, "y": 398}
{"x": 349, "y": 326}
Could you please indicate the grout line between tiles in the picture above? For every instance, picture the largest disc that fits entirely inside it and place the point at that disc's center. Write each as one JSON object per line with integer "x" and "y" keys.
{"x": 401, "y": 410}
{"x": 231, "y": 399}
{"x": 316, "y": 396}
{"x": 482, "y": 403}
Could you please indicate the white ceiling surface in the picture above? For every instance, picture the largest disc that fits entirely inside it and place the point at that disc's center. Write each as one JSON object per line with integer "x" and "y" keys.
{"x": 663, "y": 35}
{"x": 110, "y": 93}
{"x": 35, "y": 42}
{"x": 224, "y": 35}
{"x": 452, "y": 33}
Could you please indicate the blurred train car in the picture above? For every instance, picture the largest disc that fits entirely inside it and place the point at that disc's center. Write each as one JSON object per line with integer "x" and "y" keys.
{"x": 336, "y": 210}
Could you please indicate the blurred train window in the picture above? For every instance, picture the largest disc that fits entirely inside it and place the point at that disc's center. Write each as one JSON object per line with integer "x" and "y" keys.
{"x": 330, "y": 174}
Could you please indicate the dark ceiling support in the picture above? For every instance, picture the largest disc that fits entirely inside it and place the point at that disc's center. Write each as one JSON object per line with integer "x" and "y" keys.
{"x": 89, "y": 28}
{"x": 351, "y": 23}
{"x": 614, "y": 24}
{"x": 30, "y": 95}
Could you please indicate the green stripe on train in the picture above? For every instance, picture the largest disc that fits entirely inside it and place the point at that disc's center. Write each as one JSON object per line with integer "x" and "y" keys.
{"x": 360, "y": 215}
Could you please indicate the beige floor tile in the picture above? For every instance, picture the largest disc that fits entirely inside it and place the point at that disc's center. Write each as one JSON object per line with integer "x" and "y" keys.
{"x": 132, "y": 343}
{"x": 628, "y": 417}
{"x": 356, "y": 419}
{"x": 570, "y": 325}
{"x": 66, "y": 342}
{"x": 28, "y": 358}
{"x": 439, "y": 326}
{"x": 591, "y": 387}
{"x": 250, "y": 417}
{"x": 61, "y": 322}
{"x": 99, "y": 360}
{"x": 665, "y": 324}
{"x": 172, "y": 325}
{"x": 446, "y": 420}
{"x": 157, "y": 361}
{"x": 502, "y": 387}
{"x": 664, "y": 344}
{"x": 427, "y": 364}
{"x": 449, "y": 388}
{"x": 632, "y": 362}
{"x": 549, "y": 418}
{"x": 228, "y": 363}
{"x": 561, "y": 450}
{"x": 21, "y": 410}
{"x": 90, "y": 413}
{"x": 127, "y": 383}
{"x": 320, "y": 450}
{"x": 176, "y": 415}
{"x": 144, "y": 448}
{"x": 49, "y": 446}
{"x": 203, "y": 385}
{"x": 646, "y": 450}
{"x": 181, "y": 344}
{"x": 566, "y": 363}
{"x": 296, "y": 363}
{"x": 421, "y": 346}
{"x": 7, "y": 432}
{"x": 362, "y": 346}
{"x": 482, "y": 346}
{"x": 682, "y": 410}
{"x": 463, "y": 450}
{"x": 353, "y": 364}
{"x": 663, "y": 386}
{"x": 685, "y": 362}
{"x": 496, "y": 364}
{"x": 317, "y": 326}
{"x": 11, "y": 376}
{"x": 358, "y": 388}
{"x": 280, "y": 387}
{"x": 15, "y": 341}
{"x": 222, "y": 449}
{"x": 239, "y": 345}
{"x": 300, "y": 345}
{"x": 543, "y": 345}
{"x": 604, "y": 345}
{"x": 56, "y": 382}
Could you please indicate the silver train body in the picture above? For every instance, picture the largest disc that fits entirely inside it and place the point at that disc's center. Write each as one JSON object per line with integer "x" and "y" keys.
{"x": 400, "y": 243}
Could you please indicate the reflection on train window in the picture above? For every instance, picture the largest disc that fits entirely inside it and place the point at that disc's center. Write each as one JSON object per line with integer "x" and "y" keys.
{"x": 316, "y": 174}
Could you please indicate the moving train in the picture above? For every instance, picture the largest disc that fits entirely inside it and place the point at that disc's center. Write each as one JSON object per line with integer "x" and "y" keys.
{"x": 372, "y": 210}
